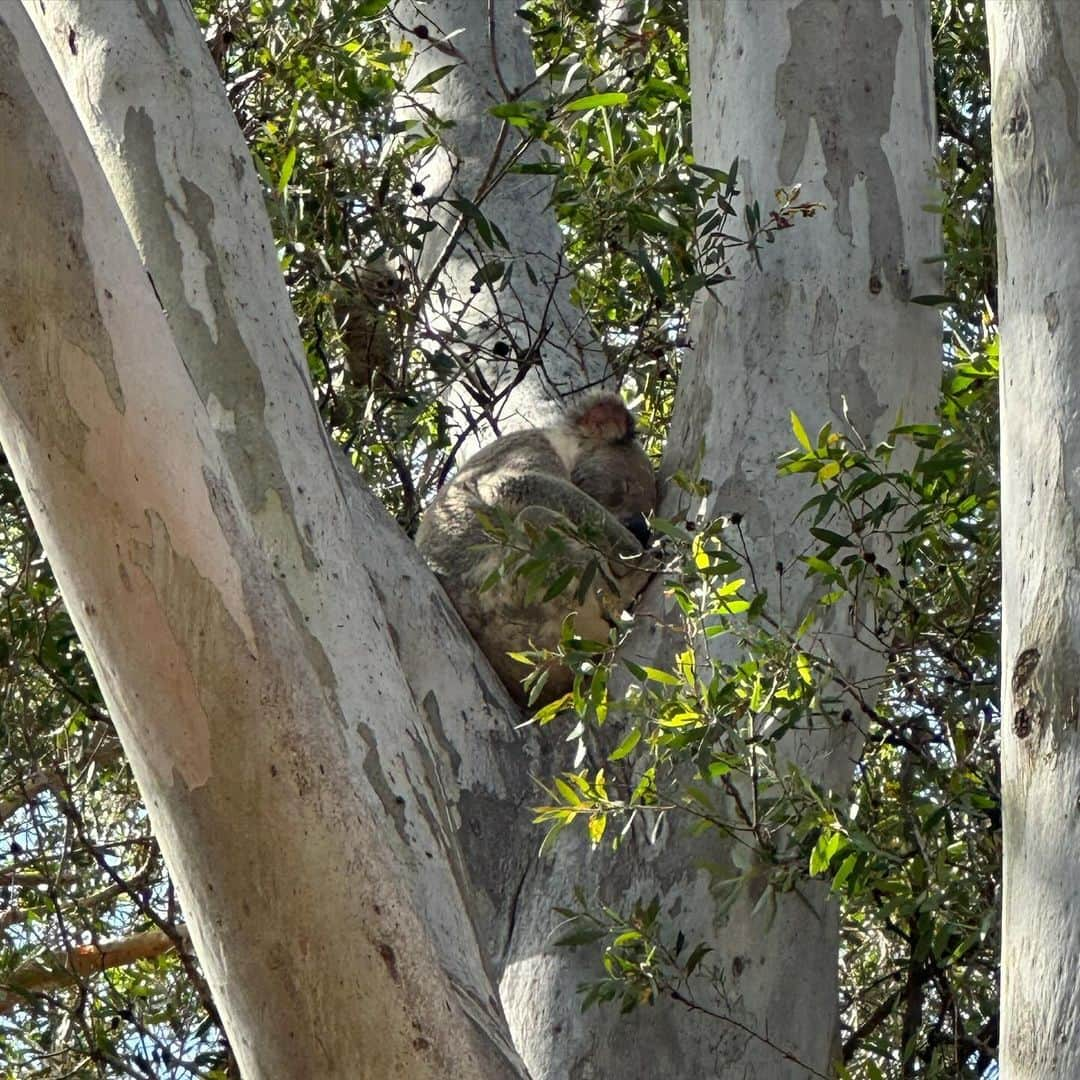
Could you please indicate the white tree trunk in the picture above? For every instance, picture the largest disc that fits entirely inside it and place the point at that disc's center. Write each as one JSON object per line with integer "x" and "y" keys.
{"x": 1034, "y": 60}
{"x": 838, "y": 97}
{"x": 554, "y": 351}
{"x": 332, "y": 775}
{"x": 290, "y": 687}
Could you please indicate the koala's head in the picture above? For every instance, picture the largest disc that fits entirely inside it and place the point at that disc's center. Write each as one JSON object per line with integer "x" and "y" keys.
{"x": 610, "y": 464}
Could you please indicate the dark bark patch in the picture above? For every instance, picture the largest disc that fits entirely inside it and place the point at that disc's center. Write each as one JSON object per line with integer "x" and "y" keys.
{"x": 839, "y": 73}
{"x": 1022, "y": 723}
{"x": 1023, "y": 668}
{"x": 1052, "y": 313}
{"x": 205, "y": 318}
{"x": 389, "y": 958}
{"x": 51, "y": 321}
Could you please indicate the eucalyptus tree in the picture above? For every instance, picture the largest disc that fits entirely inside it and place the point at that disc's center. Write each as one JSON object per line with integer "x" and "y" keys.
{"x": 336, "y": 782}
{"x": 1034, "y": 52}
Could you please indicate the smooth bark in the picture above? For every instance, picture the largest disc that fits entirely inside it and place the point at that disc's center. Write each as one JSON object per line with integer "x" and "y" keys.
{"x": 839, "y": 98}
{"x": 553, "y": 349}
{"x": 1035, "y": 67}
{"x": 245, "y": 606}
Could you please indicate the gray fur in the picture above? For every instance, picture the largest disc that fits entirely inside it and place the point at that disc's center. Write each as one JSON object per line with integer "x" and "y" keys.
{"x": 587, "y": 473}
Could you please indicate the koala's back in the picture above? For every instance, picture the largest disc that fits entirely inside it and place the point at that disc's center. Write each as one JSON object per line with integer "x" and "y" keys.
{"x": 452, "y": 539}
{"x": 450, "y": 533}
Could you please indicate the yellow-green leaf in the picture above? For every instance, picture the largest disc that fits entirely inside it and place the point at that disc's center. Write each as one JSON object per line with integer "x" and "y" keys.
{"x": 628, "y": 744}
{"x": 597, "y": 101}
{"x": 802, "y": 662}
{"x": 800, "y": 432}
{"x": 597, "y": 825}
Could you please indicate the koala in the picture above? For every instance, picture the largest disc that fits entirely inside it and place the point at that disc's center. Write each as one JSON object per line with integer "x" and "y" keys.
{"x": 587, "y": 478}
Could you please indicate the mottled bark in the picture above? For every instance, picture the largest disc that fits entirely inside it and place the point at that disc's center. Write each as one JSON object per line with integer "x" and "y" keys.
{"x": 245, "y": 608}
{"x": 1035, "y": 67}
{"x": 837, "y": 97}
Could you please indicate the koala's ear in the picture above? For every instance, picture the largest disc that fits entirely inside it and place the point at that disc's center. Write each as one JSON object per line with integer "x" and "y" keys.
{"x": 604, "y": 416}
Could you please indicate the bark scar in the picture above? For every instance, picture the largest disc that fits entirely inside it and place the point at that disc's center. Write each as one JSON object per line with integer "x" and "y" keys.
{"x": 1023, "y": 668}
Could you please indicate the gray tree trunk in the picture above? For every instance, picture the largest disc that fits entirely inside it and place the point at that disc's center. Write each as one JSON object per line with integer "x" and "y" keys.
{"x": 553, "y": 350}
{"x": 1034, "y": 60}
{"x": 837, "y": 97}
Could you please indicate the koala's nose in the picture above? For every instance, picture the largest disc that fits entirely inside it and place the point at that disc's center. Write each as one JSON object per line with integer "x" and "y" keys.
{"x": 639, "y": 527}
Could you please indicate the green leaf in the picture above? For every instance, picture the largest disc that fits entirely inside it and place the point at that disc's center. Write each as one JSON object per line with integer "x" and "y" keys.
{"x": 827, "y": 536}
{"x": 490, "y": 272}
{"x": 718, "y": 175}
{"x": 507, "y": 110}
{"x": 539, "y": 168}
{"x": 597, "y": 101}
{"x": 826, "y": 570}
{"x": 286, "y": 170}
{"x": 583, "y": 936}
{"x": 844, "y": 872}
{"x": 656, "y": 675}
{"x": 629, "y": 742}
{"x": 431, "y": 78}
{"x": 652, "y": 276}
{"x": 559, "y": 585}
{"x": 699, "y": 954}
{"x": 569, "y": 795}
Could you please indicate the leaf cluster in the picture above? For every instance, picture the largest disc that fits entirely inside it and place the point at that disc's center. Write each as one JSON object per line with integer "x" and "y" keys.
{"x": 907, "y": 554}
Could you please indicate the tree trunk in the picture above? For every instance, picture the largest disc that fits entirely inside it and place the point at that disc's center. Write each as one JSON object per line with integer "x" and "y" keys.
{"x": 840, "y": 98}
{"x": 1034, "y": 57}
{"x": 330, "y": 769}
{"x": 289, "y": 685}
{"x": 552, "y": 350}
